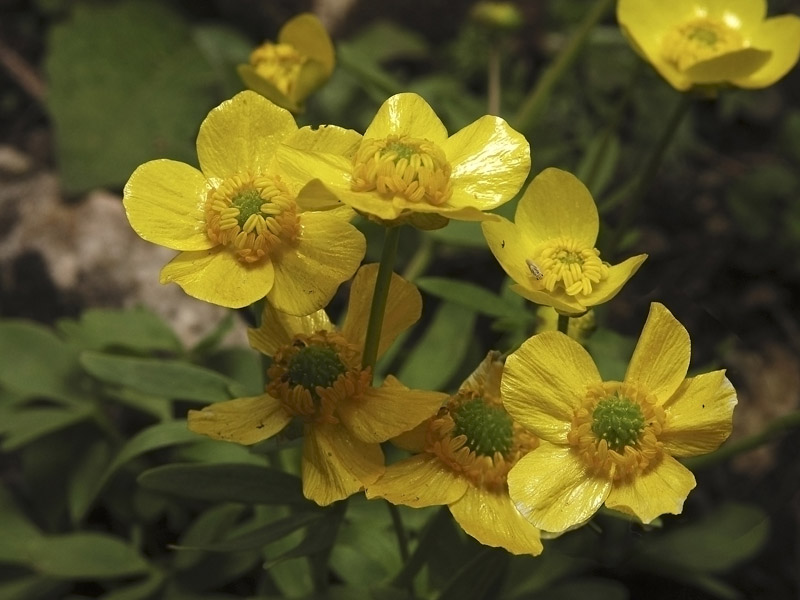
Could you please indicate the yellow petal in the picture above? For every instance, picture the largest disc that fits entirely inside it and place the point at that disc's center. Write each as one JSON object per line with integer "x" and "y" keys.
{"x": 298, "y": 166}
{"x": 278, "y": 328}
{"x": 403, "y": 308}
{"x": 307, "y": 34}
{"x": 243, "y": 420}
{"x": 485, "y": 379}
{"x": 217, "y": 276}
{"x": 421, "y": 480}
{"x": 337, "y": 465}
{"x": 241, "y": 135}
{"x": 661, "y": 357}
{"x": 307, "y": 276}
{"x": 490, "y": 162}
{"x": 253, "y": 81}
{"x": 385, "y": 412}
{"x": 165, "y": 203}
{"x": 492, "y": 519}
{"x": 552, "y": 489}
{"x": 781, "y": 35}
{"x": 569, "y": 305}
{"x": 407, "y": 114}
{"x": 544, "y": 381}
{"x": 618, "y": 275}
{"x": 662, "y": 489}
{"x": 448, "y": 209}
{"x": 737, "y": 13}
{"x": 511, "y": 247}
{"x": 728, "y": 67}
{"x": 413, "y": 440}
{"x": 556, "y": 204}
{"x": 328, "y": 139}
{"x": 699, "y": 415}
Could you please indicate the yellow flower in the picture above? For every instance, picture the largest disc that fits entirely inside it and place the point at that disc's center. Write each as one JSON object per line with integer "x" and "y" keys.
{"x": 611, "y": 442}
{"x": 579, "y": 328}
{"x": 406, "y": 166}
{"x": 549, "y": 250}
{"x": 462, "y": 458}
{"x": 712, "y": 42}
{"x": 236, "y": 222}
{"x": 316, "y": 376}
{"x": 291, "y": 70}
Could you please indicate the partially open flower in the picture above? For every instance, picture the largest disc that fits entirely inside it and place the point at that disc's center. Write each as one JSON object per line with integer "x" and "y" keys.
{"x": 712, "y": 42}
{"x": 289, "y": 71}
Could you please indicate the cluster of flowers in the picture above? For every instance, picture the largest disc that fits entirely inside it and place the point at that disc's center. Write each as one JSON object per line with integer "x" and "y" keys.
{"x": 538, "y": 442}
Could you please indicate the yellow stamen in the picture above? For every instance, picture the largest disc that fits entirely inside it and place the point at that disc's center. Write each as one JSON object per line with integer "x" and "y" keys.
{"x": 698, "y": 40}
{"x": 566, "y": 263}
{"x": 631, "y": 458}
{"x": 255, "y": 215}
{"x": 280, "y": 64}
{"x": 414, "y": 169}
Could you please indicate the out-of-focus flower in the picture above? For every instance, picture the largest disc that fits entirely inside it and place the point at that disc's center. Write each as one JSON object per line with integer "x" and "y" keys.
{"x": 406, "y": 166}
{"x": 289, "y": 71}
{"x": 712, "y": 42}
{"x": 549, "y": 250}
{"x": 462, "y": 458}
{"x": 316, "y": 376}
{"x": 611, "y": 442}
{"x": 236, "y": 222}
{"x": 498, "y": 16}
{"x": 579, "y": 328}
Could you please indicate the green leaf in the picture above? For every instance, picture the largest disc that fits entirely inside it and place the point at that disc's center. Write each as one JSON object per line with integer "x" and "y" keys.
{"x": 30, "y": 586}
{"x": 599, "y": 164}
{"x": 127, "y": 84}
{"x": 225, "y": 483}
{"x": 167, "y": 378}
{"x": 243, "y": 365}
{"x": 726, "y": 537}
{"x": 611, "y": 353}
{"x": 211, "y": 525}
{"x": 157, "y": 436}
{"x": 87, "y": 472}
{"x": 461, "y": 233}
{"x": 85, "y": 555}
{"x": 595, "y": 588}
{"x": 143, "y": 589}
{"x": 17, "y": 530}
{"x": 135, "y": 329}
{"x": 35, "y": 362}
{"x": 468, "y": 295}
{"x": 475, "y": 578}
{"x": 441, "y": 349}
{"x": 22, "y": 425}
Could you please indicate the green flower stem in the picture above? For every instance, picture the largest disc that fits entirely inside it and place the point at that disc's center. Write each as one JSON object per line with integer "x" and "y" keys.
{"x": 770, "y": 432}
{"x": 648, "y": 172}
{"x": 399, "y": 530}
{"x": 538, "y": 96}
{"x": 493, "y": 101}
{"x": 563, "y": 324}
{"x": 379, "y": 297}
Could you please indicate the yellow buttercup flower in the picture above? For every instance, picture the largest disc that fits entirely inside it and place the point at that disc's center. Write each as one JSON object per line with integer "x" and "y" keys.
{"x": 235, "y": 221}
{"x": 289, "y": 71}
{"x": 463, "y": 456}
{"x": 712, "y": 42}
{"x": 579, "y": 328}
{"x": 612, "y": 442}
{"x": 316, "y": 376}
{"x": 406, "y": 166}
{"x": 549, "y": 250}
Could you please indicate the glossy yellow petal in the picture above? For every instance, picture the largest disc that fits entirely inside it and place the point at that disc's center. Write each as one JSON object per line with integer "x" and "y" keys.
{"x": 552, "y": 489}
{"x": 327, "y": 254}
{"x": 328, "y": 139}
{"x": 407, "y": 114}
{"x": 403, "y": 308}
{"x": 569, "y": 305}
{"x": 728, "y": 67}
{"x": 165, "y": 203}
{"x": 217, "y": 276}
{"x": 298, "y": 166}
{"x": 336, "y": 465}
{"x": 556, "y": 204}
{"x": 699, "y": 415}
{"x": 413, "y": 440}
{"x": 485, "y": 379}
{"x": 618, "y": 275}
{"x": 661, "y": 357}
{"x": 492, "y": 519}
{"x": 448, "y": 209}
{"x": 662, "y": 489}
{"x": 278, "y": 328}
{"x": 490, "y": 162}
{"x": 544, "y": 381}
{"x": 421, "y": 480}
{"x": 738, "y": 14}
{"x": 253, "y": 81}
{"x": 241, "y": 135}
{"x": 781, "y": 35}
{"x": 243, "y": 420}
{"x": 385, "y": 412}
{"x": 307, "y": 34}
{"x": 647, "y": 21}
{"x": 511, "y": 247}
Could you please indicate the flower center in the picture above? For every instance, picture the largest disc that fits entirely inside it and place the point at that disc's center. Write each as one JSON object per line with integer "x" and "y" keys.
{"x": 698, "y": 40}
{"x": 475, "y": 436}
{"x": 314, "y": 373}
{"x": 254, "y": 215}
{"x": 616, "y": 429}
{"x": 280, "y": 64}
{"x": 411, "y": 168}
{"x": 566, "y": 263}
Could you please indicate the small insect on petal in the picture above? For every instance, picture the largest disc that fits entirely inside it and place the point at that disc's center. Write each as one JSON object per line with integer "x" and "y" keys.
{"x": 535, "y": 270}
